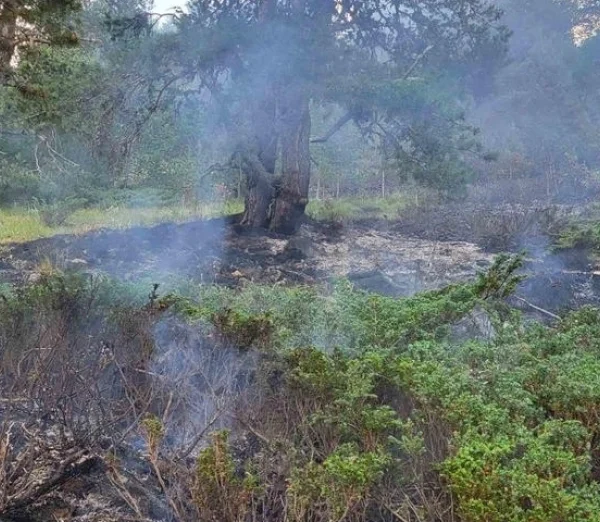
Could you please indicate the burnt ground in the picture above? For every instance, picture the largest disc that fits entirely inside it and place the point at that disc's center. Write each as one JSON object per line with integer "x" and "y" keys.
{"x": 420, "y": 250}
{"x": 398, "y": 257}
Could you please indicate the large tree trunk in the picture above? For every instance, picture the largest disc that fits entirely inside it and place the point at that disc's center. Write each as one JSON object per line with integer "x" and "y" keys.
{"x": 292, "y": 192}
{"x": 281, "y": 121}
{"x": 259, "y": 152}
{"x": 259, "y": 159}
{"x": 259, "y": 191}
{"x": 8, "y": 28}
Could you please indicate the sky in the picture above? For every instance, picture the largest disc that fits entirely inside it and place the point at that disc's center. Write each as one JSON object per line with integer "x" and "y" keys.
{"x": 164, "y": 6}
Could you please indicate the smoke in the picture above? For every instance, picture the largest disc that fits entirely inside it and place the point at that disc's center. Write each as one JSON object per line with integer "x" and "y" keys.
{"x": 200, "y": 377}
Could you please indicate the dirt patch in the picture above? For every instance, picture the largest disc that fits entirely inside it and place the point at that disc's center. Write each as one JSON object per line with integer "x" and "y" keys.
{"x": 220, "y": 252}
{"x": 437, "y": 247}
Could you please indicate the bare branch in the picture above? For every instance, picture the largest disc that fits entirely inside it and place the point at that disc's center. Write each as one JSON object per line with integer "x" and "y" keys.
{"x": 337, "y": 127}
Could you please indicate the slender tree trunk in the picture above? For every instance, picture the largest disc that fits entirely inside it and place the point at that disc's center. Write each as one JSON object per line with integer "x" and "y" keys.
{"x": 8, "y": 28}
{"x": 292, "y": 192}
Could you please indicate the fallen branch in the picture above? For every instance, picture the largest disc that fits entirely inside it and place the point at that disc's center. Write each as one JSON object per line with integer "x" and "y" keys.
{"x": 537, "y": 308}
{"x": 78, "y": 464}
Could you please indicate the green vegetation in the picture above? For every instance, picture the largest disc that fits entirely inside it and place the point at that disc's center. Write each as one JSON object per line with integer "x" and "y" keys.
{"x": 348, "y": 209}
{"x": 358, "y": 403}
{"x": 278, "y": 403}
{"x": 20, "y": 225}
{"x": 581, "y": 231}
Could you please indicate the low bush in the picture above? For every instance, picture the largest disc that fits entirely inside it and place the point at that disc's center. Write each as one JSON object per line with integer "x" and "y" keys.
{"x": 384, "y": 417}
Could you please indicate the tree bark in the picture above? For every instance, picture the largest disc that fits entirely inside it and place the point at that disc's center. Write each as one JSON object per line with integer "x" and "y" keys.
{"x": 280, "y": 123}
{"x": 259, "y": 159}
{"x": 292, "y": 192}
{"x": 259, "y": 192}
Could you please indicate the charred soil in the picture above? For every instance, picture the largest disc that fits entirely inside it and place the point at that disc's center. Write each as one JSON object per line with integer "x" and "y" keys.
{"x": 420, "y": 250}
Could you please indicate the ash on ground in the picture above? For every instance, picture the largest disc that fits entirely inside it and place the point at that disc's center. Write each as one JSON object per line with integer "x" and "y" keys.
{"x": 397, "y": 258}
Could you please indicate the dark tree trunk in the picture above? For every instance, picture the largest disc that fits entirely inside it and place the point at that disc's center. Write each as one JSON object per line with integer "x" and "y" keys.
{"x": 280, "y": 122}
{"x": 259, "y": 159}
{"x": 292, "y": 192}
{"x": 259, "y": 192}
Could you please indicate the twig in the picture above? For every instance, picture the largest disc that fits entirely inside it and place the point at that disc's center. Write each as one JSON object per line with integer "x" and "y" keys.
{"x": 163, "y": 486}
{"x": 198, "y": 437}
{"x": 253, "y": 431}
{"x": 416, "y": 62}
{"x": 116, "y": 480}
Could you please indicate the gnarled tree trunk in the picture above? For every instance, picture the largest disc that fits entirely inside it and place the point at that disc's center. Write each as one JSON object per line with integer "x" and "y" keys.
{"x": 259, "y": 159}
{"x": 292, "y": 192}
{"x": 259, "y": 153}
{"x": 273, "y": 202}
{"x": 280, "y": 123}
{"x": 259, "y": 191}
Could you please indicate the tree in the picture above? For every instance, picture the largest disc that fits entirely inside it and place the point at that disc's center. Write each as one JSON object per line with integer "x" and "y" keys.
{"x": 263, "y": 63}
{"x": 26, "y": 23}
{"x": 545, "y": 104}
{"x": 84, "y": 113}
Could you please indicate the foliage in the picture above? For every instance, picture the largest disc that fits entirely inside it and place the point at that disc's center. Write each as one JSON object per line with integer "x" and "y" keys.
{"x": 219, "y": 493}
{"x": 344, "y": 210}
{"x": 243, "y": 329}
{"x": 537, "y": 117}
{"x": 383, "y": 412}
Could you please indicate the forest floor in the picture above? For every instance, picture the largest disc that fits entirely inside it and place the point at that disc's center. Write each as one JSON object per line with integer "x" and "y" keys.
{"x": 397, "y": 254}
{"x": 22, "y": 224}
{"x": 418, "y": 249}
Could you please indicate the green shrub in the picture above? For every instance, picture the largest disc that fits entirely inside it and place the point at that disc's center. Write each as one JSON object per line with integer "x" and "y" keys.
{"x": 219, "y": 493}
{"x": 388, "y": 414}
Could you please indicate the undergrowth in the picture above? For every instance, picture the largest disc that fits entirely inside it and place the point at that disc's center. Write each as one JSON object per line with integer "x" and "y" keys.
{"x": 348, "y": 209}
{"x": 21, "y": 224}
{"x": 340, "y": 405}
{"x": 581, "y": 232}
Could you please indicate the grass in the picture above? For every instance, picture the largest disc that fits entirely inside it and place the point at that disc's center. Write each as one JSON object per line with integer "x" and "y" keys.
{"x": 21, "y": 224}
{"x": 348, "y": 209}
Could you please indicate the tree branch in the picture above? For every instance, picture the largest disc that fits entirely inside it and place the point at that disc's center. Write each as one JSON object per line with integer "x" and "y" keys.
{"x": 349, "y": 115}
{"x": 416, "y": 62}
{"x": 338, "y": 126}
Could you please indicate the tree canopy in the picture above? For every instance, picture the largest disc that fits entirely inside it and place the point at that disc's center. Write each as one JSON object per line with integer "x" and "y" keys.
{"x": 262, "y": 64}
{"x": 28, "y": 23}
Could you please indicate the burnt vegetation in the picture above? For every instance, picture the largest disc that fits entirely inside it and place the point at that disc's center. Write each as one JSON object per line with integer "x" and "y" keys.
{"x": 299, "y": 261}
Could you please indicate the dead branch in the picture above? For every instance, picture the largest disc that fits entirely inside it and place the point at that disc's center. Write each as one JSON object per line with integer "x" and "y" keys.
{"x": 80, "y": 463}
{"x": 537, "y": 308}
{"x": 336, "y": 127}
